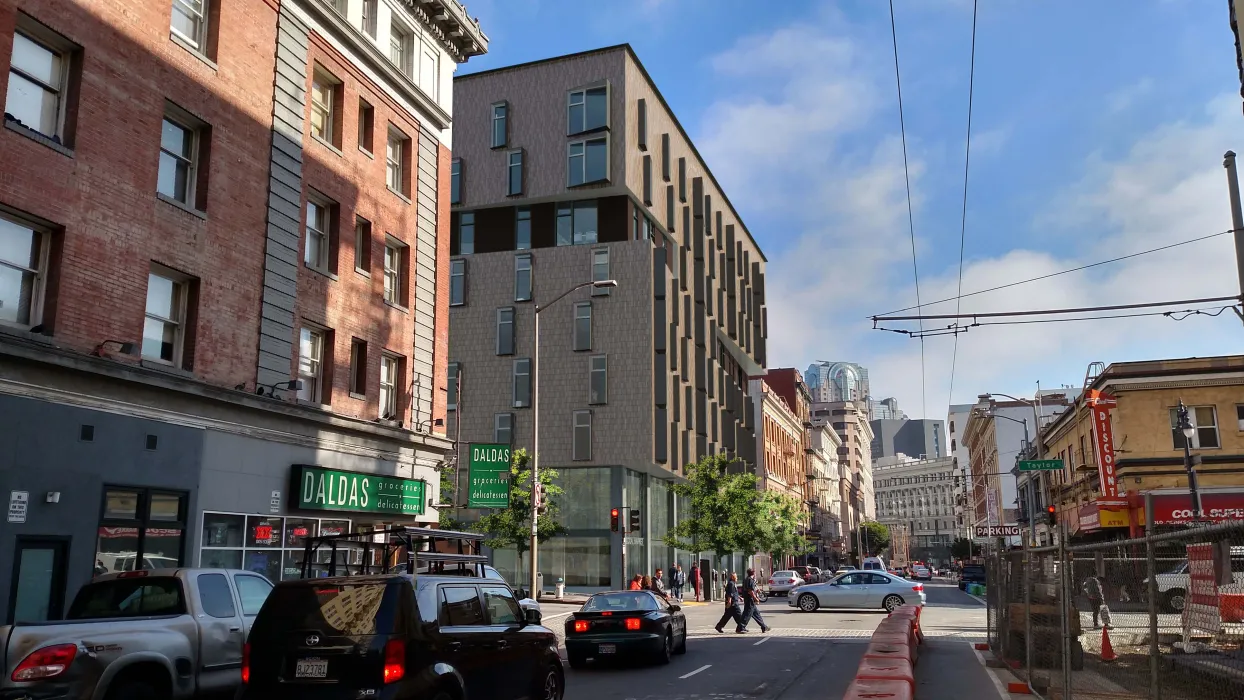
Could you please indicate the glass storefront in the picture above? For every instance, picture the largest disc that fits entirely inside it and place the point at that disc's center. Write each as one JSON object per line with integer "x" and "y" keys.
{"x": 271, "y": 545}
{"x": 140, "y": 529}
{"x": 659, "y": 522}
{"x": 585, "y": 501}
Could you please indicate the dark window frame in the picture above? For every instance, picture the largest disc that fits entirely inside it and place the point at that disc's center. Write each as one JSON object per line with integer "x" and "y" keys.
{"x": 142, "y": 520}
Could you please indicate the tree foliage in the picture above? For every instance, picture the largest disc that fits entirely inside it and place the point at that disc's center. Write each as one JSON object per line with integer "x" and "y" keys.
{"x": 449, "y": 497}
{"x": 962, "y": 548}
{"x": 511, "y": 527}
{"x": 783, "y": 519}
{"x": 874, "y": 536}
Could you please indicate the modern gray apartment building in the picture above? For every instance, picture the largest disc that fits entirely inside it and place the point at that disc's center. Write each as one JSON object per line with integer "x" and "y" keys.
{"x": 570, "y": 170}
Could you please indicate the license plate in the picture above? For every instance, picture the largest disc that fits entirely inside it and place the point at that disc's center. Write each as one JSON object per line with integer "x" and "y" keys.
{"x": 607, "y": 648}
{"x": 311, "y": 668}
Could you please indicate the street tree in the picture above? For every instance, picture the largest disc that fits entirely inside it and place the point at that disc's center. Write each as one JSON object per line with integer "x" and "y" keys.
{"x": 783, "y": 518}
{"x": 874, "y": 536}
{"x": 449, "y": 497}
{"x": 962, "y": 548}
{"x": 511, "y": 527}
{"x": 726, "y": 513}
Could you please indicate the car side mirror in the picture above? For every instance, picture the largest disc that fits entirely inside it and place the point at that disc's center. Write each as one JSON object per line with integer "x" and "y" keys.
{"x": 531, "y": 616}
{"x": 675, "y": 607}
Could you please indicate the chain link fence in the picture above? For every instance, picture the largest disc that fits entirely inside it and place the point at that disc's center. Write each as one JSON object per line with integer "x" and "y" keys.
{"x": 1156, "y": 618}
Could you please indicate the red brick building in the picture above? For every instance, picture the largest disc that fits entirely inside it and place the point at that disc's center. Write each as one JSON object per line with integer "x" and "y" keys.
{"x": 223, "y": 276}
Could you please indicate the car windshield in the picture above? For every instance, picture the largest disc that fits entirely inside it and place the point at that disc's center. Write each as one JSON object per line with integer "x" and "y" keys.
{"x": 128, "y": 597}
{"x": 615, "y": 602}
{"x": 974, "y": 570}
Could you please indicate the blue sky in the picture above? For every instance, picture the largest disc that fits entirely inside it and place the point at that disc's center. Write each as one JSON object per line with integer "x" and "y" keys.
{"x": 1098, "y": 130}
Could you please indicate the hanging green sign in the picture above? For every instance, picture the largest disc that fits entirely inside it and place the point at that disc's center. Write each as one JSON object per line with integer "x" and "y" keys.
{"x": 317, "y": 488}
{"x": 489, "y": 476}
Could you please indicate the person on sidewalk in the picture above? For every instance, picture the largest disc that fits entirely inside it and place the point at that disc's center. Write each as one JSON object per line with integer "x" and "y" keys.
{"x": 637, "y": 583}
{"x": 751, "y": 601}
{"x": 1097, "y": 601}
{"x": 734, "y": 607}
{"x": 695, "y": 582}
{"x": 658, "y": 584}
{"x": 677, "y": 580}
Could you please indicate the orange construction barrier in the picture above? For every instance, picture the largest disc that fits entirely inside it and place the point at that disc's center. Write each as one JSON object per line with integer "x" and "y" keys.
{"x": 886, "y": 650}
{"x": 885, "y": 670}
{"x": 861, "y": 689}
{"x": 903, "y": 639}
{"x": 1107, "y": 651}
{"x": 896, "y": 625}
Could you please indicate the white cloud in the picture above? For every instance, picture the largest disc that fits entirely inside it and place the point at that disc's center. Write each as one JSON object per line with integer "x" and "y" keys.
{"x": 803, "y": 148}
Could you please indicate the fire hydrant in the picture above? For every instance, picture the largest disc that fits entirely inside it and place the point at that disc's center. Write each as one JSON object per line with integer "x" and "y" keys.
{"x": 561, "y": 587}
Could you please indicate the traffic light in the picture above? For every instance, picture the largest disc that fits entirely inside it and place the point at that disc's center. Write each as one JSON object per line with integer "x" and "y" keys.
{"x": 613, "y": 520}
{"x": 1052, "y": 514}
{"x": 634, "y": 521}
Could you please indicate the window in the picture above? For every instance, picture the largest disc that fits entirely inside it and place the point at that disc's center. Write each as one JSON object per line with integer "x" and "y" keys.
{"x": 311, "y": 364}
{"x": 587, "y": 110}
{"x": 140, "y": 529}
{"x": 642, "y": 122}
{"x": 499, "y": 127}
{"x": 179, "y": 158}
{"x": 324, "y": 94}
{"x": 522, "y": 383}
{"x": 583, "y": 325}
{"x": 265, "y": 544}
{"x": 647, "y": 180}
{"x": 397, "y": 155}
{"x": 514, "y": 170}
{"x": 1239, "y": 417}
{"x": 587, "y": 161}
{"x": 466, "y": 233}
{"x": 429, "y": 69}
{"x": 460, "y": 607}
{"x": 576, "y": 223}
{"x": 503, "y": 428}
{"x": 600, "y": 271}
{"x": 369, "y": 17}
{"x": 216, "y": 596}
{"x": 682, "y": 180}
{"x": 319, "y": 234}
{"x": 582, "y": 436}
{"x": 455, "y": 376}
{"x": 455, "y": 181}
{"x": 522, "y": 278}
{"x": 38, "y": 79}
{"x": 522, "y": 228}
{"x": 395, "y": 255}
{"x": 362, "y": 245}
{"x": 399, "y": 48}
{"x": 502, "y": 608}
{"x": 669, "y": 210}
{"x": 358, "y": 367}
{"x": 1205, "y": 420}
{"x": 164, "y": 326}
{"x": 341, "y": 6}
{"x": 23, "y": 272}
{"x": 505, "y": 331}
{"x": 389, "y": 387}
{"x": 598, "y": 379}
{"x": 457, "y": 282}
{"x": 189, "y": 22}
{"x": 367, "y": 118}
{"x": 665, "y": 157}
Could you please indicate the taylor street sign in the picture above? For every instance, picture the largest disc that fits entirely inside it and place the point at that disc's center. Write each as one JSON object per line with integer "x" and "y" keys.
{"x": 997, "y": 530}
{"x": 488, "y": 476}
{"x": 1040, "y": 465}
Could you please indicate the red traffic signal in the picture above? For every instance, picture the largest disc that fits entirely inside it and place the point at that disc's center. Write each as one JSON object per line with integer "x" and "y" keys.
{"x": 613, "y": 520}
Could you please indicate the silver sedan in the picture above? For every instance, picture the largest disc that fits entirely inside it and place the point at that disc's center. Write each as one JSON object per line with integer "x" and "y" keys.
{"x": 858, "y": 589}
{"x": 782, "y": 582}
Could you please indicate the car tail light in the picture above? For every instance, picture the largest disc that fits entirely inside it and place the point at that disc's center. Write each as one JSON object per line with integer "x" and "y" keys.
{"x": 918, "y": 587}
{"x": 632, "y": 623}
{"x": 133, "y": 574}
{"x": 770, "y": 582}
{"x": 581, "y": 625}
{"x": 246, "y": 663}
{"x": 48, "y": 662}
{"x": 394, "y": 661}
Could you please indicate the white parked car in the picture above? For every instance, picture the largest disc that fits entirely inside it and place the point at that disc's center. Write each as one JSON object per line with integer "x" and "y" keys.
{"x": 781, "y": 582}
{"x": 858, "y": 589}
{"x": 921, "y": 573}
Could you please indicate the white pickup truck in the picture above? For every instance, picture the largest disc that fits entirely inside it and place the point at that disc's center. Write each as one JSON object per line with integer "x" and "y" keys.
{"x": 1173, "y": 585}
{"x": 163, "y": 634}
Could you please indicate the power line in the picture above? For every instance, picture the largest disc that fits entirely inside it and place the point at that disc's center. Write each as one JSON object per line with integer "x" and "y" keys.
{"x": 1062, "y": 272}
{"x": 957, "y": 329}
{"x": 1046, "y": 312}
{"x": 963, "y": 220}
{"x": 911, "y": 224}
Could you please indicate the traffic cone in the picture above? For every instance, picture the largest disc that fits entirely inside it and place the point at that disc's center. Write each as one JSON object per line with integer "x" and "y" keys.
{"x": 1107, "y": 651}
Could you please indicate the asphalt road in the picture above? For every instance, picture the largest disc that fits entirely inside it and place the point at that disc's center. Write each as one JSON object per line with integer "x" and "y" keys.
{"x": 805, "y": 655}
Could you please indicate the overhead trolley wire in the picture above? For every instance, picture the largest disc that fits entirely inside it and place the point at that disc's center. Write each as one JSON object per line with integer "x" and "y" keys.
{"x": 963, "y": 220}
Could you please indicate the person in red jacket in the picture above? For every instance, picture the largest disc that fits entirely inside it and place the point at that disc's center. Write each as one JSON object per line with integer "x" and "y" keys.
{"x": 695, "y": 582}
{"x": 637, "y": 583}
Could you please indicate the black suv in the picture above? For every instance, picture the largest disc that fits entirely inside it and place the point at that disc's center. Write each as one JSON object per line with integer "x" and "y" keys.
{"x": 437, "y": 636}
{"x": 972, "y": 573}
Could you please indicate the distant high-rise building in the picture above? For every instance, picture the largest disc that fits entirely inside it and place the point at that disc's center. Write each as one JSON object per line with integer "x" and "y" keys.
{"x": 921, "y": 438}
{"x": 886, "y": 409}
{"x": 838, "y": 381}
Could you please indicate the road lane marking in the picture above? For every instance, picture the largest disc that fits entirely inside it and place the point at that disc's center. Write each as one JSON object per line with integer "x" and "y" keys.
{"x": 762, "y": 641}
{"x": 705, "y": 666}
{"x": 553, "y": 617}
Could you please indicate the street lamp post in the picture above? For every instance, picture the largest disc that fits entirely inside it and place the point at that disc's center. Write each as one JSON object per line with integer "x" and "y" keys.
{"x": 1189, "y": 432}
{"x": 1032, "y": 523}
{"x": 535, "y": 422}
{"x": 1040, "y": 450}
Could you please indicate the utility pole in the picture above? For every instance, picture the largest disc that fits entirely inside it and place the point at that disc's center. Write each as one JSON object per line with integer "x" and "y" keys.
{"x": 1237, "y": 220}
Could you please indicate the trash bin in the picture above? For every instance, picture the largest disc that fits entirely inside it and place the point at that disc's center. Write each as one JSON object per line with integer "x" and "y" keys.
{"x": 561, "y": 587}
{"x": 539, "y": 586}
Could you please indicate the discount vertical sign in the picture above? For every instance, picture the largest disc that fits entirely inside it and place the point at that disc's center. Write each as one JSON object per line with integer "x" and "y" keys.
{"x": 1103, "y": 436}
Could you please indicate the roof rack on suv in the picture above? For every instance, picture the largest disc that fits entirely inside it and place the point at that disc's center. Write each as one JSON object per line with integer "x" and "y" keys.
{"x": 422, "y": 546}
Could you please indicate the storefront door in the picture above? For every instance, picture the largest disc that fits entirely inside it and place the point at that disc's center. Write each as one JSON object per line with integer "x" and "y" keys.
{"x": 38, "y": 590}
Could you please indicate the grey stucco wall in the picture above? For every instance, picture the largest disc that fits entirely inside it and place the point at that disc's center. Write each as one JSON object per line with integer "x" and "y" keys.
{"x": 40, "y": 451}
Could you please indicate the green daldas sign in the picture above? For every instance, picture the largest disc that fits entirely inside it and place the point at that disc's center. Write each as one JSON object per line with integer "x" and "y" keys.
{"x": 489, "y": 476}
{"x": 318, "y": 488}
